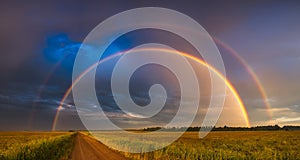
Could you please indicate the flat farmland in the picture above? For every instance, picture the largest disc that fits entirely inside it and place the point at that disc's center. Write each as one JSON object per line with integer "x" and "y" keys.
{"x": 228, "y": 145}
{"x": 35, "y": 145}
{"x": 216, "y": 145}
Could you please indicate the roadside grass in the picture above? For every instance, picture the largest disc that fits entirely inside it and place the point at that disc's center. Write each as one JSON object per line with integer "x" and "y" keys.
{"x": 36, "y": 145}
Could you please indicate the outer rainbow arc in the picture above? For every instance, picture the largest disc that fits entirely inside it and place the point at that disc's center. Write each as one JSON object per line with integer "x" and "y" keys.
{"x": 196, "y": 59}
{"x": 251, "y": 72}
{"x": 41, "y": 88}
{"x": 225, "y": 46}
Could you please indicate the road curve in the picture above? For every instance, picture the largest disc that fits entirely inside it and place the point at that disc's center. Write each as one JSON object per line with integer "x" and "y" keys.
{"x": 87, "y": 148}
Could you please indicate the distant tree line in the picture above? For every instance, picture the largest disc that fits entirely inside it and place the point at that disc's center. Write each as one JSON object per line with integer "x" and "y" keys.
{"x": 226, "y": 128}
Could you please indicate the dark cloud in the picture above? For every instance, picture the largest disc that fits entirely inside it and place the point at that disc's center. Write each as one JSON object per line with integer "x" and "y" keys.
{"x": 39, "y": 41}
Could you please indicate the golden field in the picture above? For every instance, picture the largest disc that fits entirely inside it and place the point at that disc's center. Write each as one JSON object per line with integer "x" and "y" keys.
{"x": 216, "y": 145}
{"x": 228, "y": 145}
{"x": 35, "y": 145}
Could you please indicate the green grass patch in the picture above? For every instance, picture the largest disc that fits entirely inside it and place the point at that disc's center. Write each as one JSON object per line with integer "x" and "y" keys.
{"x": 33, "y": 146}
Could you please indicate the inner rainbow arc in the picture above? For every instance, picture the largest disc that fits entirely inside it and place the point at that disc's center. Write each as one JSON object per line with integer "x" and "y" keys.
{"x": 196, "y": 59}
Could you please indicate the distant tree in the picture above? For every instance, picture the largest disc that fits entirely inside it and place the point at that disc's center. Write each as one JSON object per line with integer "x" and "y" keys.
{"x": 226, "y": 128}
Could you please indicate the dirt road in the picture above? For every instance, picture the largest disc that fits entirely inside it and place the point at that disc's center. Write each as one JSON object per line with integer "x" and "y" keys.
{"x": 87, "y": 148}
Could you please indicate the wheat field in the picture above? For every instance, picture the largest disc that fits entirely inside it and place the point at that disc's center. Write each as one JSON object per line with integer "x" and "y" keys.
{"x": 35, "y": 145}
{"x": 233, "y": 145}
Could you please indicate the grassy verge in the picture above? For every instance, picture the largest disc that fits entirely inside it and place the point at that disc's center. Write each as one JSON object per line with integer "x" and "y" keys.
{"x": 50, "y": 148}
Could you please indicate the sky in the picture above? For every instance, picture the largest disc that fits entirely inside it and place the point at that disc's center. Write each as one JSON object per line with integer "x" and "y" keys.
{"x": 40, "y": 40}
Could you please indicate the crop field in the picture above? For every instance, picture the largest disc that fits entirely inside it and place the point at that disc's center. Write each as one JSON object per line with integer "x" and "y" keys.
{"x": 226, "y": 145}
{"x": 216, "y": 145}
{"x": 35, "y": 145}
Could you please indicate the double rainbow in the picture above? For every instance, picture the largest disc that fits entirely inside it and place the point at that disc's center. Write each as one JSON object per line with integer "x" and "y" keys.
{"x": 196, "y": 59}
